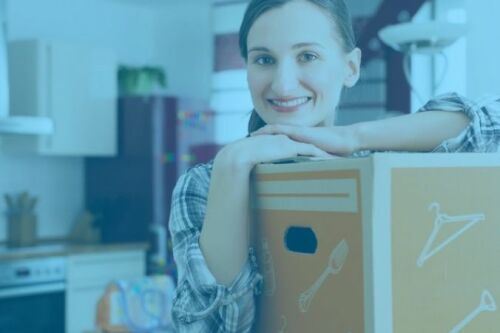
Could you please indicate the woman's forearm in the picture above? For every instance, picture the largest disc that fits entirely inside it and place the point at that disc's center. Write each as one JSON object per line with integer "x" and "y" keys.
{"x": 224, "y": 238}
{"x": 421, "y": 131}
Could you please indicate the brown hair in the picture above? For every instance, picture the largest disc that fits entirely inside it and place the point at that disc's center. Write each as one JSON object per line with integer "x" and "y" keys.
{"x": 336, "y": 8}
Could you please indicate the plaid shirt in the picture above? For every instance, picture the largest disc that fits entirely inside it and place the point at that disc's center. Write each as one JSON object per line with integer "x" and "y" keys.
{"x": 203, "y": 305}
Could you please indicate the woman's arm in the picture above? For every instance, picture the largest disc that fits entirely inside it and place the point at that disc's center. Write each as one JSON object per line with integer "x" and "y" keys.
{"x": 224, "y": 238}
{"x": 201, "y": 304}
{"x": 449, "y": 123}
{"x": 414, "y": 132}
{"x": 421, "y": 131}
{"x": 209, "y": 227}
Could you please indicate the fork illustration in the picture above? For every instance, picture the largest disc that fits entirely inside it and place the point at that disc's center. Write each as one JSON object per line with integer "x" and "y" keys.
{"x": 335, "y": 262}
{"x": 268, "y": 269}
{"x": 283, "y": 324}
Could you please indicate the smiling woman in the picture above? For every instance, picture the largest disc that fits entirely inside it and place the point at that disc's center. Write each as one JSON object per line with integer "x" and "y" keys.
{"x": 296, "y": 72}
{"x": 300, "y": 55}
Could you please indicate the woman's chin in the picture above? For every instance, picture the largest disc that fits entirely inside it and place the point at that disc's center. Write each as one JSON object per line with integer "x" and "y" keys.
{"x": 294, "y": 120}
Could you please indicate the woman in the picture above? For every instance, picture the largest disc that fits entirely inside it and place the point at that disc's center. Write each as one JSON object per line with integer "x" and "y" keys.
{"x": 300, "y": 54}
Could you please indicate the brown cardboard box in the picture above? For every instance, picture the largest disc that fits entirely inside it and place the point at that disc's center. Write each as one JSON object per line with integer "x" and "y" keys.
{"x": 405, "y": 243}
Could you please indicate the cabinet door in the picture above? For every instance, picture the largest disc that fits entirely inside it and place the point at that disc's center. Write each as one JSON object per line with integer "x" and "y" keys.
{"x": 82, "y": 100}
{"x": 87, "y": 278}
{"x": 80, "y": 307}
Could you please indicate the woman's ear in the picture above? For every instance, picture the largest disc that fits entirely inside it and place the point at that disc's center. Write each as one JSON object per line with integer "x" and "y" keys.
{"x": 353, "y": 67}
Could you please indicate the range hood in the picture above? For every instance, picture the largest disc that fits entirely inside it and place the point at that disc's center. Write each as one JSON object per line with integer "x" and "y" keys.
{"x": 10, "y": 124}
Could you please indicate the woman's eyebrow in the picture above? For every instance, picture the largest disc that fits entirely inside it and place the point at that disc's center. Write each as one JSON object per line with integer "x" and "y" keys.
{"x": 300, "y": 45}
{"x": 296, "y": 46}
{"x": 259, "y": 48}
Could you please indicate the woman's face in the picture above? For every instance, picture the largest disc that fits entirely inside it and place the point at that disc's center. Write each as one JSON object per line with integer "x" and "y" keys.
{"x": 296, "y": 65}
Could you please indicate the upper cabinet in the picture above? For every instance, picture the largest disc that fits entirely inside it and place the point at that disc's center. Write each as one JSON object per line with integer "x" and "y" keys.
{"x": 75, "y": 85}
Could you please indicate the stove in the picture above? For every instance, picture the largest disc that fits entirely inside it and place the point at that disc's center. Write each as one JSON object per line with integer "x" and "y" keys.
{"x": 32, "y": 295}
{"x": 33, "y": 271}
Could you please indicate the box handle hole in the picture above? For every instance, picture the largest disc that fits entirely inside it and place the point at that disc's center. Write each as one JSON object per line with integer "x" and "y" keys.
{"x": 301, "y": 240}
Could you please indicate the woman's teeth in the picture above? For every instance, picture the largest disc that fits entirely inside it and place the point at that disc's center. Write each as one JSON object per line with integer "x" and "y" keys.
{"x": 290, "y": 103}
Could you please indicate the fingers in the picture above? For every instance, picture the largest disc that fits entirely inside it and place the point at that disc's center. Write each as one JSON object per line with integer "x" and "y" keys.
{"x": 311, "y": 150}
{"x": 291, "y": 131}
{"x": 301, "y": 148}
{"x": 279, "y": 145}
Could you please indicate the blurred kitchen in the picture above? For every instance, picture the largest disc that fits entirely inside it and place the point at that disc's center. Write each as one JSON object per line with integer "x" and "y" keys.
{"x": 104, "y": 103}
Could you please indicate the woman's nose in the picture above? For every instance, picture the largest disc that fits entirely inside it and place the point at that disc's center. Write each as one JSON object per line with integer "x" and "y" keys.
{"x": 285, "y": 79}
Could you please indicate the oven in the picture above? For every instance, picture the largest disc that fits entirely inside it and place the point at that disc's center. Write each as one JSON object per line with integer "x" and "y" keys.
{"x": 32, "y": 295}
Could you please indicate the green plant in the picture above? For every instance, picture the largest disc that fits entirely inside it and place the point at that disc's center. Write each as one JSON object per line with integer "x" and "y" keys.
{"x": 140, "y": 80}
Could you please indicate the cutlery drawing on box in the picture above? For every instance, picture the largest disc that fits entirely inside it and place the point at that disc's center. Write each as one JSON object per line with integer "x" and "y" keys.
{"x": 268, "y": 269}
{"x": 283, "y": 325}
{"x": 441, "y": 221}
{"x": 335, "y": 263}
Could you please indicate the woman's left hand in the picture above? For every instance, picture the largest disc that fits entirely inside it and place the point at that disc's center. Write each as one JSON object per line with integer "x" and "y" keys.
{"x": 338, "y": 140}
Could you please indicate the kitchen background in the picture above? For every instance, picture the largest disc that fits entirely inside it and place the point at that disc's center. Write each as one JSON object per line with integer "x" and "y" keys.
{"x": 194, "y": 42}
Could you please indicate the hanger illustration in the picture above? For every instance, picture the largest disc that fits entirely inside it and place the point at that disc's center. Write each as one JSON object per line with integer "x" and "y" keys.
{"x": 486, "y": 304}
{"x": 440, "y": 221}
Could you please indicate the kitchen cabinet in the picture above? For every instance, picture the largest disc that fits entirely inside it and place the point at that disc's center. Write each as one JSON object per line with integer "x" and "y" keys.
{"x": 73, "y": 84}
{"x": 87, "y": 277}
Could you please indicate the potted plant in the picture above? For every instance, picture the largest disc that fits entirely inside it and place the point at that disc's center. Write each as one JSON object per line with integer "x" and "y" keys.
{"x": 140, "y": 81}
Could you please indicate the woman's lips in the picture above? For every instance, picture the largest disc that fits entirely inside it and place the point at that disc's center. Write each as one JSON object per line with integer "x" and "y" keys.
{"x": 289, "y": 105}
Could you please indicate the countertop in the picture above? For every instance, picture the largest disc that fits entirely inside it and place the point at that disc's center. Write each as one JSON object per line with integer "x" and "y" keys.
{"x": 64, "y": 249}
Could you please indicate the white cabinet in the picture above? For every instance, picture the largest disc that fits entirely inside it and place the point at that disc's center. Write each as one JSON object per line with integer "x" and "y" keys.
{"x": 87, "y": 278}
{"x": 73, "y": 84}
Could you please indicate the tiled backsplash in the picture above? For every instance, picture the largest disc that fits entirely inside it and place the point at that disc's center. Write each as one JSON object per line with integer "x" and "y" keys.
{"x": 57, "y": 182}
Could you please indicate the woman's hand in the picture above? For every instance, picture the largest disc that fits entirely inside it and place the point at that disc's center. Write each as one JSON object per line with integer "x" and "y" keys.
{"x": 338, "y": 140}
{"x": 247, "y": 152}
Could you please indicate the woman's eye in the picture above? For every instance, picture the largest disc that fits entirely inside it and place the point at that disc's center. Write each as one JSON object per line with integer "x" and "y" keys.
{"x": 264, "y": 60}
{"x": 306, "y": 57}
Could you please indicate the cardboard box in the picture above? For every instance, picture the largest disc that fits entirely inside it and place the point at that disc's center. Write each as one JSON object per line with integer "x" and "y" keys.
{"x": 387, "y": 243}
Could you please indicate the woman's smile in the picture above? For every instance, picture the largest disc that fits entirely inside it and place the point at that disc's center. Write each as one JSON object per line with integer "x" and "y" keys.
{"x": 288, "y": 104}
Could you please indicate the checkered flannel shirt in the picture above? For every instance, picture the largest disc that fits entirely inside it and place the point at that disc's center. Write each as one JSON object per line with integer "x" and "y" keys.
{"x": 203, "y": 305}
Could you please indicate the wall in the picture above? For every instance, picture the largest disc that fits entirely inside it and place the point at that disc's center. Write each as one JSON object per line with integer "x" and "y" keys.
{"x": 470, "y": 69}
{"x": 483, "y": 49}
{"x": 58, "y": 184}
{"x": 230, "y": 96}
{"x": 141, "y": 32}
{"x": 438, "y": 74}
{"x": 127, "y": 29}
{"x": 185, "y": 46}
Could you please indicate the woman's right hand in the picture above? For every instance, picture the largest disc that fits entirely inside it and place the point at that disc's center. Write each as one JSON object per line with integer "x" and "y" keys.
{"x": 224, "y": 237}
{"x": 248, "y": 152}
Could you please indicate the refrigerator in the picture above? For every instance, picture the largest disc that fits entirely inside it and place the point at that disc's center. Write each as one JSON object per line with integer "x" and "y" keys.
{"x": 159, "y": 138}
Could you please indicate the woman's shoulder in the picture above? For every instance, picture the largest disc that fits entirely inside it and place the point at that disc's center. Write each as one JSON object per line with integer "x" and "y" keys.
{"x": 450, "y": 101}
{"x": 453, "y": 101}
{"x": 197, "y": 175}
{"x": 201, "y": 170}
{"x": 189, "y": 198}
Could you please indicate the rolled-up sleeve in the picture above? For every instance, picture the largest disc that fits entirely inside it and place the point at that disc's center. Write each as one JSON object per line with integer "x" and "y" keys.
{"x": 483, "y": 132}
{"x": 200, "y": 303}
